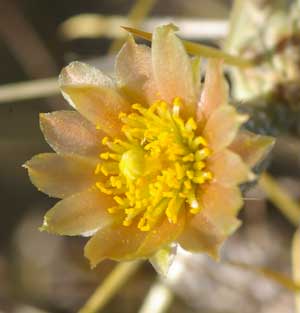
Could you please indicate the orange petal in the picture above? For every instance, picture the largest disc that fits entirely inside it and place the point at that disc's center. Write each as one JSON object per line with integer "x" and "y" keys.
{"x": 222, "y": 127}
{"x": 80, "y": 213}
{"x": 61, "y": 175}
{"x": 94, "y": 96}
{"x": 172, "y": 68}
{"x": 134, "y": 74}
{"x": 162, "y": 235}
{"x": 228, "y": 168}
{"x": 214, "y": 92}
{"x": 221, "y": 205}
{"x": 115, "y": 242}
{"x": 125, "y": 243}
{"x": 201, "y": 235}
{"x": 252, "y": 147}
{"x": 69, "y": 132}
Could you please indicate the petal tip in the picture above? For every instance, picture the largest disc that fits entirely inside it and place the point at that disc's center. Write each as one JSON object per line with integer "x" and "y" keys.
{"x": 92, "y": 262}
{"x": 43, "y": 118}
{"x": 46, "y": 227}
{"x": 171, "y": 27}
{"x": 215, "y": 255}
{"x": 79, "y": 73}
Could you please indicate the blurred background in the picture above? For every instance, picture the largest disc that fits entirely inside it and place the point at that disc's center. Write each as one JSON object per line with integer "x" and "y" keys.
{"x": 40, "y": 272}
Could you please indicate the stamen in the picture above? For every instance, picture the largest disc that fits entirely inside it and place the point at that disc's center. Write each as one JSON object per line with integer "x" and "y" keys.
{"x": 155, "y": 171}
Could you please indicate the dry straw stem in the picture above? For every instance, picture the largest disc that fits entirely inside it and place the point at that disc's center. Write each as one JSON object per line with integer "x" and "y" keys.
{"x": 158, "y": 299}
{"x": 274, "y": 276}
{"x": 135, "y": 17}
{"x": 296, "y": 265}
{"x": 112, "y": 283}
{"x": 288, "y": 207}
{"x": 91, "y": 25}
{"x": 201, "y": 50}
{"x": 29, "y": 90}
{"x": 236, "y": 18}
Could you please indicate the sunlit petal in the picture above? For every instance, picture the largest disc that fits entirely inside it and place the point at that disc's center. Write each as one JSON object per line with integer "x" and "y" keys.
{"x": 115, "y": 242}
{"x": 69, "y": 132}
{"x": 221, "y": 205}
{"x": 61, "y": 175}
{"x": 94, "y": 95}
{"x": 228, "y": 168}
{"x": 125, "y": 243}
{"x": 252, "y": 147}
{"x": 134, "y": 74}
{"x": 201, "y": 235}
{"x": 214, "y": 92}
{"x": 80, "y": 213}
{"x": 222, "y": 127}
{"x": 172, "y": 68}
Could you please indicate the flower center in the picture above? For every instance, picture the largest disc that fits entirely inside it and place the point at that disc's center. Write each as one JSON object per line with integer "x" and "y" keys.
{"x": 155, "y": 170}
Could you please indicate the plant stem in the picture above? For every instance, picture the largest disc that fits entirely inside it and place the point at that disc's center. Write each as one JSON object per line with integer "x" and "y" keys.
{"x": 296, "y": 266}
{"x": 274, "y": 276}
{"x": 235, "y": 19}
{"x": 115, "y": 280}
{"x": 158, "y": 299}
{"x": 288, "y": 207}
{"x": 137, "y": 14}
{"x": 200, "y": 50}
{"x": 40, "y": 88}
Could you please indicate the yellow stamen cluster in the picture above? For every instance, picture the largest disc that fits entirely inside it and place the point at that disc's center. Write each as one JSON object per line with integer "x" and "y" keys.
{"x": 155, "y": 170}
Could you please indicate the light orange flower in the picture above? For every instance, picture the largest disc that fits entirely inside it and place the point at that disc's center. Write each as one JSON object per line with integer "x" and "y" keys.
{"x": 147, "y": 160}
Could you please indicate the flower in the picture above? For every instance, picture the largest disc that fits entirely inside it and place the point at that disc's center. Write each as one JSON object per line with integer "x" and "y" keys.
{"x": 147, "y": 160}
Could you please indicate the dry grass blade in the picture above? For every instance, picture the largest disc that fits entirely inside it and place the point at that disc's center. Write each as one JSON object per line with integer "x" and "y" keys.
{"x": 274, "y": 276}
{"x": 288, "y": 207}
{"x": 158, "y": 299}
{"x": 115, "y": 280}
{"x": 296, "y": 266}
{"x": 34, "y": 89}
{"x": 234, "y": 24}
{"x": 201, "y": 50}
{"x": 136, "y": 16}
{"x": 91, "y": 25}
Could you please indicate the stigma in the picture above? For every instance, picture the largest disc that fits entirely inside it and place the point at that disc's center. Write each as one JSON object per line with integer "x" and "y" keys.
{"x": 155, "y": 170}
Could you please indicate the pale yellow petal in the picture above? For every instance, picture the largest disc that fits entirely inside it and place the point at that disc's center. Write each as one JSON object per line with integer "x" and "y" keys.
{"x": 214, "y": 93}
{"x": 69, "y": 132}
{"x": 202, "y": 235}
{"x": 252, "y": 147}
{"x": 228, "y": 168}
{"x": 61, "y": 175}
{"x": 94, "y": 95}
{"x": 222, "y": 127}
{"x": 79, "y": 214}
{"x": 221, "y": 205}
{"x": 172, "y": 68}
{"x": 134, "y": 73}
